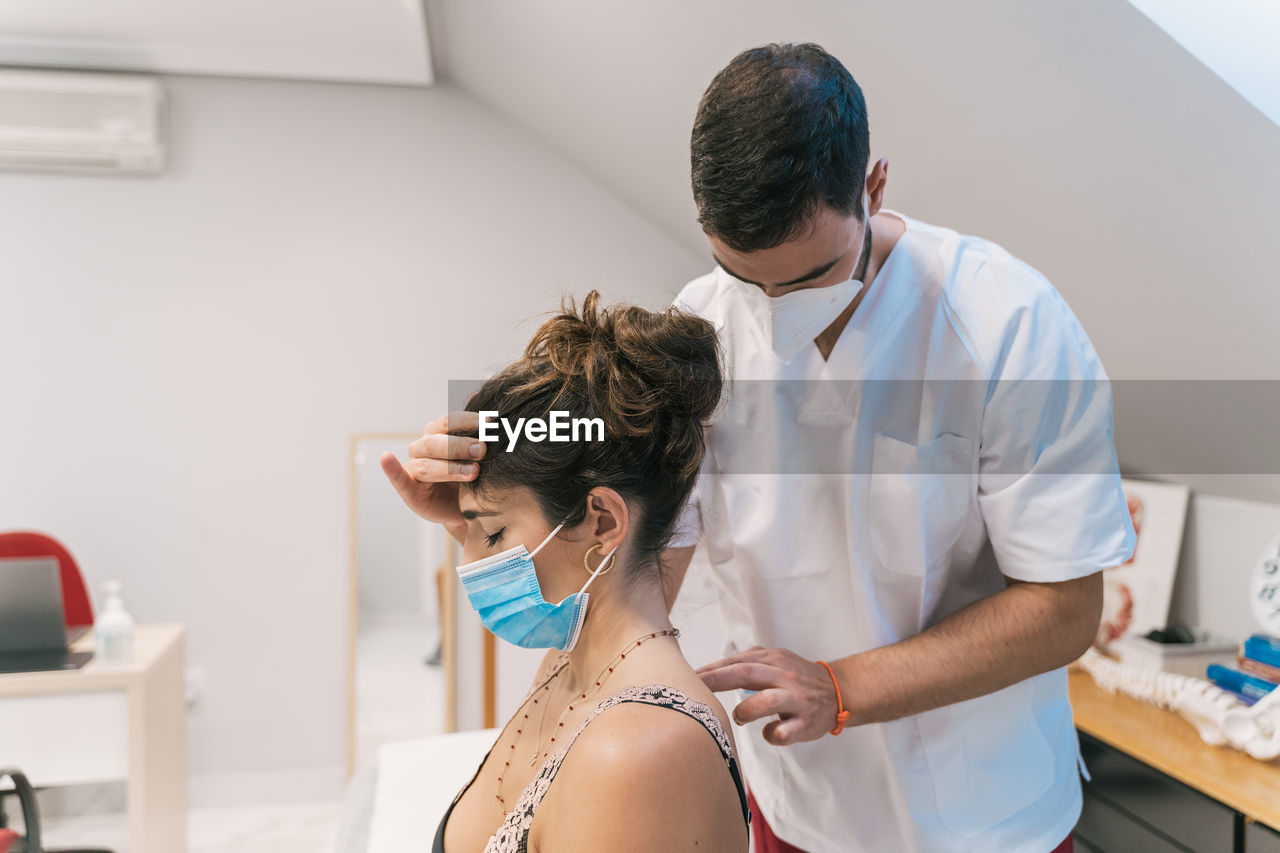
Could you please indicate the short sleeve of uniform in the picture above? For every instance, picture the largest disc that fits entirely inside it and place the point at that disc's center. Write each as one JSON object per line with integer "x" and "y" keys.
{"x": 1048, "y": 481}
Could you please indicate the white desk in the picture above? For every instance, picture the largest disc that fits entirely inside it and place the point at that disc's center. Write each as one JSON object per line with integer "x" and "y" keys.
{"x": 103, "y": 723}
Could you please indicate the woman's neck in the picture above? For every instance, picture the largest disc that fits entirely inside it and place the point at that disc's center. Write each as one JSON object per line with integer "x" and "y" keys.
{"x": 614, "y": 619}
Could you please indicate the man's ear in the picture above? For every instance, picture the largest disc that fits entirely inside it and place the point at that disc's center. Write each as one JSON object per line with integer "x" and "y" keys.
{"x": 609, "y": 517}
{"x": 877, "y": 178}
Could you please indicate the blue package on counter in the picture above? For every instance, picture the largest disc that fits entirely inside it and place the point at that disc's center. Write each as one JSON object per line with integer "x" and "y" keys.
{"x": 1237, "y": 681}
{"x": 1263, "y": 649}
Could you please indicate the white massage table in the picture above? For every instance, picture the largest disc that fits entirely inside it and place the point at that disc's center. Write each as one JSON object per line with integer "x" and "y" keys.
{"x": 395, "y": 806}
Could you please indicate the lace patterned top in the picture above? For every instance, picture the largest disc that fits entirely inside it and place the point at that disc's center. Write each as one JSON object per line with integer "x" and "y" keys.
{"x": 513, "y": 835}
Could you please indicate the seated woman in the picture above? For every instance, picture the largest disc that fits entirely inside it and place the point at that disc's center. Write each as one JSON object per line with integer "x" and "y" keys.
{"x": 618, "y": 745}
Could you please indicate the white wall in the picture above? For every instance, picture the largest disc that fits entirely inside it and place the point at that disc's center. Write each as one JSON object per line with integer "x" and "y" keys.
{"x": 183, "y": 359}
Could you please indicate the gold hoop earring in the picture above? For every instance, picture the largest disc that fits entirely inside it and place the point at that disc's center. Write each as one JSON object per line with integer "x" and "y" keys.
{"x": 587, "y": 565}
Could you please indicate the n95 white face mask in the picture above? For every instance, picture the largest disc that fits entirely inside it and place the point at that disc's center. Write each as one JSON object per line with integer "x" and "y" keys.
{"x": 791, "y": 321}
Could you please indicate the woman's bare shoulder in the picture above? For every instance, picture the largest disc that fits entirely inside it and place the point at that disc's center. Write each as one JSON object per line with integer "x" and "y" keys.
{"x": 656, "y": 779}
{"x": 663, "y": 731}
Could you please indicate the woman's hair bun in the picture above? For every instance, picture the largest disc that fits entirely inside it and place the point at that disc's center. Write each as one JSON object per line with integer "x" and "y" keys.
{"x": 652, "y": 377}
{"x": 641, "y": 370}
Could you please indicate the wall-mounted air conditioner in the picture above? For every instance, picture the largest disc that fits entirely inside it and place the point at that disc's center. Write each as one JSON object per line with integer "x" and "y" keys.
{"x": 53, "y": 121}
{"x": 369, "y": 41}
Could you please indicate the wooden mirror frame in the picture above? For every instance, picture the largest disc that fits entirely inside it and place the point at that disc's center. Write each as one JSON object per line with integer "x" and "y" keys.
{"x": 448, "y": 611}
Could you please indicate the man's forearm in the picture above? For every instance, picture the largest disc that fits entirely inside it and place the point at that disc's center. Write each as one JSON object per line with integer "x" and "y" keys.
{"x": 1021, "y": 631}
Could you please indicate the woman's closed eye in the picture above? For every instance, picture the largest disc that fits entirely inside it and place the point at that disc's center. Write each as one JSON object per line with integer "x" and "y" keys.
{"x": 495, "y": 537}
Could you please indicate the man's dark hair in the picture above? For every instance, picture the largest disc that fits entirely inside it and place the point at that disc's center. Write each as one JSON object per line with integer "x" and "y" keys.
{"x": 781, "y": 130}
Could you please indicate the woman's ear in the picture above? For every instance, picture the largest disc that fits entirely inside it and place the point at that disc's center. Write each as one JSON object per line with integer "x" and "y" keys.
{"x": 608, "y": 517}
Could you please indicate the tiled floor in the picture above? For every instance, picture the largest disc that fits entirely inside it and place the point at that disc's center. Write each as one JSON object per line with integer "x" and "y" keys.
{"x": 280, "y": 828}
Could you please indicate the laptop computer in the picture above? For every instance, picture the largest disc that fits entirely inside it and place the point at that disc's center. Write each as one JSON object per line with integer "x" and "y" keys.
{"x": 33, "y": 633}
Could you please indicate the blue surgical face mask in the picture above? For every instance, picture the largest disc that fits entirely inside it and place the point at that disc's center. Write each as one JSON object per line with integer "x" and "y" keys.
{"x": 504, "y": 591}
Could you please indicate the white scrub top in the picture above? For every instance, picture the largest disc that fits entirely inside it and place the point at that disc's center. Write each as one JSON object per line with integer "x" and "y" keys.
{"x": 960, "y": 431}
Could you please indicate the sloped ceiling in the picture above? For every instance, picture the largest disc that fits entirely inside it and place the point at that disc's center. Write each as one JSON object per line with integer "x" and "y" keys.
{"x": 1075, "y": 132}
{"x": 1239, "y": 40}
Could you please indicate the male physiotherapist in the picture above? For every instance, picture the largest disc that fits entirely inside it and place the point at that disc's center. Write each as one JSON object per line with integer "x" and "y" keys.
{"x": 908, "y": 502}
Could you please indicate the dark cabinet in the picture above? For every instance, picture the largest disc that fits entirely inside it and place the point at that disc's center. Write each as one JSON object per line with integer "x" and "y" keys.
{"x": 1128, "y": 806}
{"x": 1107, "y": 829}
{"x": 1261, "y": 839}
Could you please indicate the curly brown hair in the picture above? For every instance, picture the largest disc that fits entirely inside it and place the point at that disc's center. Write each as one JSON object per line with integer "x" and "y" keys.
{"x": 652, "y": 377}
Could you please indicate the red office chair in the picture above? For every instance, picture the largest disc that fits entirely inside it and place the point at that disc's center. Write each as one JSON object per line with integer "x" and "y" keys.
{"x": 75, "y": 598}
{"x": 78, "y": 611}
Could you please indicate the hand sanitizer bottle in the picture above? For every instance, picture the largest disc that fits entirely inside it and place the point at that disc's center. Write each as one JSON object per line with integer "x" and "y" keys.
{"x": 114, "y": 628}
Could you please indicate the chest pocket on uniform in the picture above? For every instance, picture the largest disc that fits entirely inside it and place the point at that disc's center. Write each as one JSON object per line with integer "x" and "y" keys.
{"x": 918, "y": 500}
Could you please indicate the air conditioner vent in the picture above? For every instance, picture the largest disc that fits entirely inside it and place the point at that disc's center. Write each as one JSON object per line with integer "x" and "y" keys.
{"x": 70, "y": 122}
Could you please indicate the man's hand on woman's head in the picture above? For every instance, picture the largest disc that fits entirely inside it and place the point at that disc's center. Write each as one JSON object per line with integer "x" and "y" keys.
{"x": 438, "y": 461}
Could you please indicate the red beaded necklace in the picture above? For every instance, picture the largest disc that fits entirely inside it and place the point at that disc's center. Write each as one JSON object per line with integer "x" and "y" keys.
{"x": 600, "y": 678}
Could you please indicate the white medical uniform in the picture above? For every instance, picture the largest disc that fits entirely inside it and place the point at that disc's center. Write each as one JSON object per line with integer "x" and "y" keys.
{"x": 843, "y": 516}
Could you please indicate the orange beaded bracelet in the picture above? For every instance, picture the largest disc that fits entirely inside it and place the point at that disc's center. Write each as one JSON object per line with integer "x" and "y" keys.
{"x": 841, "y": 714}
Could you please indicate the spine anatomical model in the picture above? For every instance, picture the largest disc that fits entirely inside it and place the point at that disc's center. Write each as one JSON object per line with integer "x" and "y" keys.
{"x": 1219, "y": 717}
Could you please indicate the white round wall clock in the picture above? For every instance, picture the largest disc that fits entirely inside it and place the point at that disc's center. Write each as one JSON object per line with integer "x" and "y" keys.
{"x": 1264, "y": 592}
